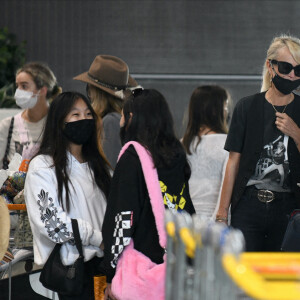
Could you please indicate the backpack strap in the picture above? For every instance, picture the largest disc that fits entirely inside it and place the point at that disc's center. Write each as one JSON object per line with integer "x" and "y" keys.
{"x": 10, "y": 131}
{"x": 153, "y": 186}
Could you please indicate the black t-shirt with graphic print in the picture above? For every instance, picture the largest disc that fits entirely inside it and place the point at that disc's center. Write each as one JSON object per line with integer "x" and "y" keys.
{"x": 272, "y": 170}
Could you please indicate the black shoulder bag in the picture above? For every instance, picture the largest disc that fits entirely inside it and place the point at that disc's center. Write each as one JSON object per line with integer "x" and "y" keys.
{"x": 65, "y": 280}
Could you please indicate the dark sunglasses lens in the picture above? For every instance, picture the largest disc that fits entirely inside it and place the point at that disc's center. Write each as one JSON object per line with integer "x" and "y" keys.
{"x": 297, "y": 71}
{"x": 137, "y": 92}
{"x": 284, "y": 67}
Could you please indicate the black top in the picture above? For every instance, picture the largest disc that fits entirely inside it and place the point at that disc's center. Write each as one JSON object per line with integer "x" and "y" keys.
{"x": 272, "y": 170}
{"x": 249, "y": 134}
{"x": 129, "y": 212}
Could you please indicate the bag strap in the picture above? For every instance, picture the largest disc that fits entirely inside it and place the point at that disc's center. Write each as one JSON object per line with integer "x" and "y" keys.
{"x": 22, "y": 129}
{"x": 10, "y": 131}
{"x": 77, "y": 236}
{"x": 153, "y": 186}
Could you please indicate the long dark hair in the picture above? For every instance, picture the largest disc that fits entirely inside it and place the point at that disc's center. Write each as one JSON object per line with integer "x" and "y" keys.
{"x": 148, "y": 120}
{"x": 206, "y": 108}
{"x": 55, "y": 144}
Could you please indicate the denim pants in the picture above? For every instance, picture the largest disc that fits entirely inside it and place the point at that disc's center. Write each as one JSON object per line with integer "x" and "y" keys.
{"x": 263, "y": 224}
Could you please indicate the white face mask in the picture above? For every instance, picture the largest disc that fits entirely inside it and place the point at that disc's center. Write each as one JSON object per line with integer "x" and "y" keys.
{"x": 25, "y": 99}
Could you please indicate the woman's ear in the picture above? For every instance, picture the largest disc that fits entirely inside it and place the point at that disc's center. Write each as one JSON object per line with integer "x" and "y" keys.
{"x": 43, "y": 91}
{"x": 130, "y": 118}
{"x": 269, "y": 67}
{"x": 129, "y": 121}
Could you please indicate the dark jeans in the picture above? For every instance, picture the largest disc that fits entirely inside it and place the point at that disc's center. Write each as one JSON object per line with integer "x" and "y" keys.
{"x": 263, "y": 224}
{"x": 91, "y": 269}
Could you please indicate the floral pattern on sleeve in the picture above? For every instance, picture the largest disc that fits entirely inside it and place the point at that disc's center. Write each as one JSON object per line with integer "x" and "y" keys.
{"x": 56, "y": 229}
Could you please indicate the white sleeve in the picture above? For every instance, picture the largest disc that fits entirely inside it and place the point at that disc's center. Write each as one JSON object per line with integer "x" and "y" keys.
{"x": 47, "y": 218}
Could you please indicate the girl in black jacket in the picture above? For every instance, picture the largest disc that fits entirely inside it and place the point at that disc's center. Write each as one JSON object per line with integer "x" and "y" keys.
{"x": 146, "y": 119}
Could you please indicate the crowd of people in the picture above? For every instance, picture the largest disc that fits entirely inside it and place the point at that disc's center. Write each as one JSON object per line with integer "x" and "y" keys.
{"x": 84, "y": 157}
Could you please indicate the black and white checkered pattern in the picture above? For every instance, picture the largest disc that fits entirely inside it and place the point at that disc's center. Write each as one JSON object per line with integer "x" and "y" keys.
{"x": 122, "y": 234}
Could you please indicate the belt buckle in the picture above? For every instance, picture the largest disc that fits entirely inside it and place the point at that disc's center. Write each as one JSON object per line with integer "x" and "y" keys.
{"x": 265, "y": 196}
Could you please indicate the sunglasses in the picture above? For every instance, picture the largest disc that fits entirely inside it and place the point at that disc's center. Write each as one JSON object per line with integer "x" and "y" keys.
{"x": 285, "y": 67}
{"x": 136, "y": 92}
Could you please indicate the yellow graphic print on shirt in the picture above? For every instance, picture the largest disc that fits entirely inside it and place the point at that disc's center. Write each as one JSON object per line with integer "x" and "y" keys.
{"x": 173, "y": 202}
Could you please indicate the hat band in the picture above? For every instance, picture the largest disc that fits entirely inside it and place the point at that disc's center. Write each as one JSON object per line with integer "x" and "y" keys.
{"x": 105, "y": 84}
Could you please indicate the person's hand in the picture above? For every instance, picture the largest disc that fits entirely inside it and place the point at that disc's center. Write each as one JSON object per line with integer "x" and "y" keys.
{"x": 108, "y": 295}
{"x": 287, "y": 126}
{"x": 102, "y": 246}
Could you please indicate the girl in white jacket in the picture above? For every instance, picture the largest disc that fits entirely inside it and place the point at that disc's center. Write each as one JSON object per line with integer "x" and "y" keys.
{"x": 68, "y": 178}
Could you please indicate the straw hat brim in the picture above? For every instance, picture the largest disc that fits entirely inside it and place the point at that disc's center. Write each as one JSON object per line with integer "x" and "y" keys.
{"x": 4, "y": 227}
{"x": 85, "y": 78}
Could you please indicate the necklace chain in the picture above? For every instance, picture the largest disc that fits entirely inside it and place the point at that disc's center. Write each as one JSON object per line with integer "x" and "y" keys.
{"x": 283, "y": 108}
{"x": 279, "y": 111}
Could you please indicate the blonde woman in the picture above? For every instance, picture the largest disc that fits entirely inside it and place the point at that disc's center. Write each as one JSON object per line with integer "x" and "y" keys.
{"x": 262, "y": 174}
{"x": 36, "y": 85}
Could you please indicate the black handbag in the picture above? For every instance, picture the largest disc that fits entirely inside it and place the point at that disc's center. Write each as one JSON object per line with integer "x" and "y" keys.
{"x": 291, "y": 240}
{"x": 65, "y": 280}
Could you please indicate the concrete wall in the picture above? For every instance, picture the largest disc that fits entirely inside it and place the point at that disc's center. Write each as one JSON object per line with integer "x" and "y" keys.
{"x": 170, "y": 45}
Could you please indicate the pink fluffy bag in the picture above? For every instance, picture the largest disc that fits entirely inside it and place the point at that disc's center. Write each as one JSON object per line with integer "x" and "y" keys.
{"x": 137, "y": 277}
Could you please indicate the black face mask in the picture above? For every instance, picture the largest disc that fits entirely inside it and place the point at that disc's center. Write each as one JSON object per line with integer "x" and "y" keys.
{"x": 285, "y": 86}
{"x": 80, "y": 131}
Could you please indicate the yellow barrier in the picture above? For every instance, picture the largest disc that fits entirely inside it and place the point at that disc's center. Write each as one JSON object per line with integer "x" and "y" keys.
{"x": 189, "y": 241}
{"x": 274, "y": 265}
{"x": 170, "y": 227}
{"x": 251, "y": 272}
{"x": 186, "y": 237}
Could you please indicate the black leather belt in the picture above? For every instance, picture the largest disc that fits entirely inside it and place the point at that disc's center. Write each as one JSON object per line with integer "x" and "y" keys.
{"x": 266, "y": 196}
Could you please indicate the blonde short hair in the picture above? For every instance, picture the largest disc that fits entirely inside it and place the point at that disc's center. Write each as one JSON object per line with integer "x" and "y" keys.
{"x": 292, "y": 43}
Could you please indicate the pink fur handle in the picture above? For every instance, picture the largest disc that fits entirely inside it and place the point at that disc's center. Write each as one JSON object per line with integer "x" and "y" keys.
{"x": 153, "y": 186}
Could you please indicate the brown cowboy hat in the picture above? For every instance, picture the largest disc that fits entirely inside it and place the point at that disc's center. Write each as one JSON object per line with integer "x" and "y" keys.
{"x": 4, "y": 227}
{"x": 110, "y": 74}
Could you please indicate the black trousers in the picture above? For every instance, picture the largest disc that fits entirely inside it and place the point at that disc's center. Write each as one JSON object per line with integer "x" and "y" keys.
{"x": 263, "y": 224}
{"x": 90, "y": 268}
